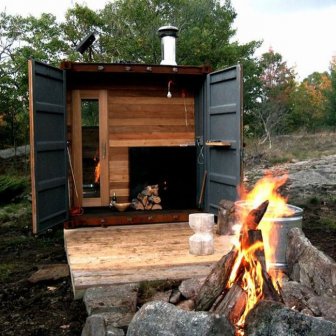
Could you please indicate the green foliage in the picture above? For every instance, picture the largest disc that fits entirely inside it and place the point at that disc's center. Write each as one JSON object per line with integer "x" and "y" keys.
{"x": 331, "y": 98}
{"x": 274, "y": 85}
{"x": 11, "y": 186}
{"x": 6, "y": 269}
{"x": 126, "y": 31}
{"x": 309, "y": 103}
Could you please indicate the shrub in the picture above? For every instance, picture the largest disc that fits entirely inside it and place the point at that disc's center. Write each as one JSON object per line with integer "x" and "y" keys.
{"x": 11, "y": 187}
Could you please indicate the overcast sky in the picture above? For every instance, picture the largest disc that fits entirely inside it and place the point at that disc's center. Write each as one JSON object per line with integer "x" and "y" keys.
{"x": 302, "y": 31}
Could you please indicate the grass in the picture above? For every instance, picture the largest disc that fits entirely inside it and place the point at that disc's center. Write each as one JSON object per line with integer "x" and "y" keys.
{"x": 6, "y": 269}
{"x": 290, "y": 148}
{"x": 11, "y": 186}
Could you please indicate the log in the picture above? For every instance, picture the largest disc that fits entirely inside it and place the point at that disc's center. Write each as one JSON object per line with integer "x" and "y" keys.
{"x": 232, "y": 304}
{"x": 251, "y": 222}
{"x": 255, "y": 216}
{"x": 255, "y": 236}
{"x": 156, "y": 207}
{"x": 226, "y": 217}
{"x": 213, "y": 291}
{"x": 155, "y": 199}
{"x": 269, "y": 291}
{"x": 215, "y": 282}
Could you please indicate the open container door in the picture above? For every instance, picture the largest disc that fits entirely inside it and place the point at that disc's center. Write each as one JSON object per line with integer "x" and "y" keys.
{"x": 48, "y": 151}
{"x": 223, "y": 134}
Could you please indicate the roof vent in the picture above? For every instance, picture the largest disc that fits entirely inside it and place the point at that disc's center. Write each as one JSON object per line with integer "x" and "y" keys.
{"x": 168, "y": 35}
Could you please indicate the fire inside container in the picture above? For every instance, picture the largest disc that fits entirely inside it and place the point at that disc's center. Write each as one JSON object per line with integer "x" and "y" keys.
{"x": 274, "y": 231}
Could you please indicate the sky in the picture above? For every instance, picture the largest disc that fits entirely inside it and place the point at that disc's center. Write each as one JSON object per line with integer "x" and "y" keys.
{"x": 302, "y": 31}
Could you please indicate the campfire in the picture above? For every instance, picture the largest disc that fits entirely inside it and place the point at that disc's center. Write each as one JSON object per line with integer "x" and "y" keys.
{"x": 243, "y": 277}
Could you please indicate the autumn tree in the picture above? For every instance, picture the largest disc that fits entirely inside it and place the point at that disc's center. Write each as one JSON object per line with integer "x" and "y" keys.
{"x": 273, "y": 103}
{"x": 309, "y": 101}
{"x": 331, "y": 97}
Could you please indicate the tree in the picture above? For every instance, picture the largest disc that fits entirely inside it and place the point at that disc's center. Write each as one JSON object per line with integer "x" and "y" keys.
{"x": 126, "y": 31}
{"x": 331, "y": 97}
{"x": 273, "y": 102}
{"x": 309, "y": 103}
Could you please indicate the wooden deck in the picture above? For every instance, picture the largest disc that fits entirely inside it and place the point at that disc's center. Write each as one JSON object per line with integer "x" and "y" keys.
{"x": 127, "y": 254}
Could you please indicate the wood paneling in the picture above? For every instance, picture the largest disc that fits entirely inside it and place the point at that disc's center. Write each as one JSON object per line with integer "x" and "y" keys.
{"x": 119, "y": 173}
{"x": 132, "y": 116}
{"x": 144, "y": 116}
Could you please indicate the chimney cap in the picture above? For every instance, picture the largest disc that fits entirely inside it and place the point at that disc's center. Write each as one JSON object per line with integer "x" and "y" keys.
{"x": 168, "y": 31}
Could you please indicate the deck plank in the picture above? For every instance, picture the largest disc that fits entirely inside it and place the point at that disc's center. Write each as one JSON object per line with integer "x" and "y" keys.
{"x": 126, "y": 254}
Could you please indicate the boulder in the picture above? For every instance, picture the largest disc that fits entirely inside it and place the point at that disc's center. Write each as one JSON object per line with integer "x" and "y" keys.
{"x": 310, "y": 266}
{"x": 272, "y": 318}
{"x": 189, "y": 288}
{"x": 323, "y": 306}
{"x": 295, "y": 295}
{"x": 95, "y": 325}
{"x": 119, "y": 298}
{"x": 164, "y": 319}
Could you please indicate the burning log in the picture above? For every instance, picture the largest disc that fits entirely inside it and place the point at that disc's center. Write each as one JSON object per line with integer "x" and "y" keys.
{"x": 227, "y": 288}
{"x": 232, "y": 304}
{"x": 269, "y": 291}
{"x": 216, "y": 281}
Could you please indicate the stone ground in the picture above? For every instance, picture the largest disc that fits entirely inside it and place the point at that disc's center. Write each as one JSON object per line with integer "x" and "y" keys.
{"x": 311, "y": 185}
{"x": 47, "y": 307}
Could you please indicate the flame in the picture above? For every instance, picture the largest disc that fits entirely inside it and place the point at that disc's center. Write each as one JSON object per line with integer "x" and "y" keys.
{"x": 97, "y": 172}
{"x": 251, "y": 281}
{"x": 267, "y": 189}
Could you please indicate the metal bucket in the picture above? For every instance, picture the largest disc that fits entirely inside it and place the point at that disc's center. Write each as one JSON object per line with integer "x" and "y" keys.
{"x": 274, "y": 231}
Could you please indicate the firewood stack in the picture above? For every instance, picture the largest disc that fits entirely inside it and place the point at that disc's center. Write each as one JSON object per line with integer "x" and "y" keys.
{"x": 224, "y": 290}
{"x": 148, "y": 199}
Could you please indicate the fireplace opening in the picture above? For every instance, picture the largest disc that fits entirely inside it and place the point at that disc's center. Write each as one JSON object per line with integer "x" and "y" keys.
{"x": 172, "y": 168}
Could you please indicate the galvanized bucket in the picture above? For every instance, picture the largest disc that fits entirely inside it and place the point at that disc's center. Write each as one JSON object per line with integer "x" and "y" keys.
{"x": 276, "y": 240}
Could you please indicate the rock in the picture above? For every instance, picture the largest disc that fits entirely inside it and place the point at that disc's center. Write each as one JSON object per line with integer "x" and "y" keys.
{"x": 303, "y": 262}
{"x": 295, "y": 295}
{"x": 323, "y": 306}
{"x": 272, "y": 318}
{"x": 161, "y": 296}
{"x": 116, "y": 298}
{"x": 164, "y": 319}
{"x": 117, "y": 319}
{"x": 187, "y": 305}
{"x": 49, "y": 272}
{"x": 95, "y": 325}
{"x": 12, "y": 152}
{"x": 175, "y": 297}
{"x": 110, "y": 331}
{"x": 189, "y": 288}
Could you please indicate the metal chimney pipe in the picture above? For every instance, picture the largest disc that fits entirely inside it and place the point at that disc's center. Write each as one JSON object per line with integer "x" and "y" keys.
{"x": 168, "y": 35}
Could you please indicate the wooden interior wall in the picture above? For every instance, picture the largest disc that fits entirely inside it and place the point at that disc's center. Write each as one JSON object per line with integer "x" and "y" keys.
{"x": 138, "y": 117}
